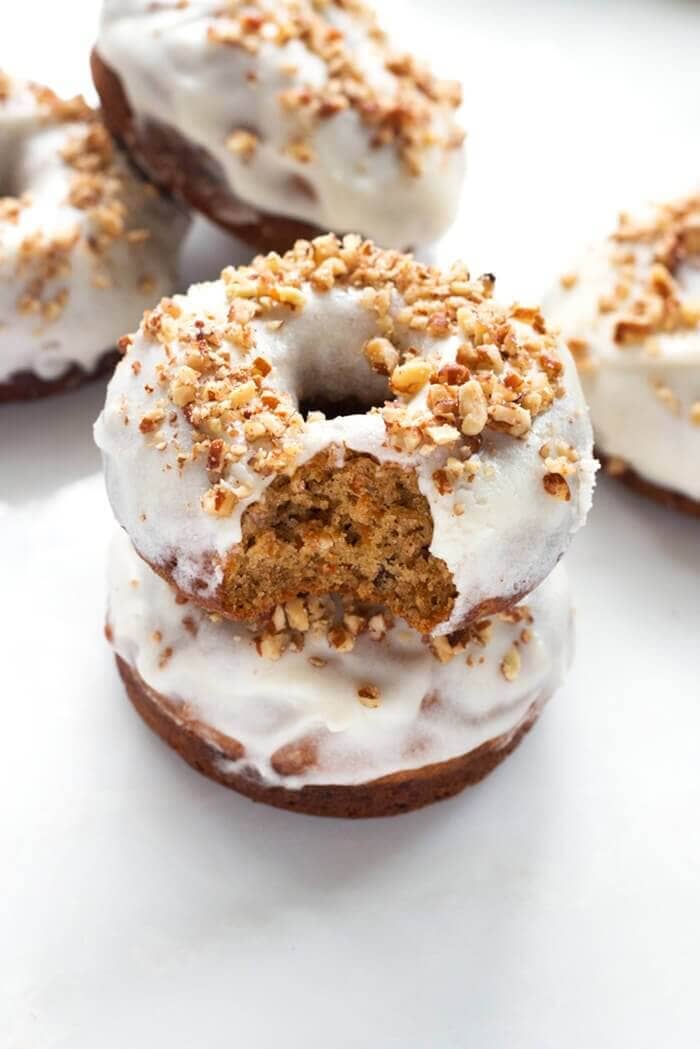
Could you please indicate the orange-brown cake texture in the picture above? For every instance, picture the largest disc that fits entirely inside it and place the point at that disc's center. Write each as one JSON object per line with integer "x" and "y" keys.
{"x": 85, "y": 244}
{"x": 450, "y": 490}
{"x": 334, "y": 707}
{"x": 630, "y": 312}
{"x": 277, "y": 116}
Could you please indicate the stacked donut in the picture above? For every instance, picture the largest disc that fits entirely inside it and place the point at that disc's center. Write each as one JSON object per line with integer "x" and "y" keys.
{"x": 279, "y": 118}
{"x": 273, "y": 119}
{"x": 85, "y": 243}
{"x": 345, "y": 480}
{"x": 630, "y": 313}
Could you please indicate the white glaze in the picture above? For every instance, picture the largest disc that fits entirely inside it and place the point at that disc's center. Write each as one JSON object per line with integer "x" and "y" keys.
{"x": 93, "y": 317}
{"x": 630, "y": 420}
{"x": 507, "y": 540}
{"x": 265, "y": 705}
{"x": 171, "y": 73}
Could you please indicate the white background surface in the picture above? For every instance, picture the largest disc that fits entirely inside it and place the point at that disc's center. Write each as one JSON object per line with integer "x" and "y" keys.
{"x": 557, "y": 904}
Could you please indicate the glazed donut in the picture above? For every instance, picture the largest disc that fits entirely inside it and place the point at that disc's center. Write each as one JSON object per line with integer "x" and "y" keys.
{"x": 630, "y": 313}
{"x": 343, "y": 419}
{"x": 84, "y": 243}
{"x": 279, "y": 120}
{"x": 380, "y": 729}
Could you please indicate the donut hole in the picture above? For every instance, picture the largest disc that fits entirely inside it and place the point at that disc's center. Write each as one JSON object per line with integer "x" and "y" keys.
{"x": 24, "y": 168}
{"x": 334, "y": 409}
{"x": 12, "y": 179}
{"x": 321, "y": 359}
{"x": 349, "y": 387}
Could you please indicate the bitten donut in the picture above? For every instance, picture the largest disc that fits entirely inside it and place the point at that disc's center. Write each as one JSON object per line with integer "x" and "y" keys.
{"x": 381, "y": 725}
{"x": 84, "y": 243}
{"x": 344, "y": 419}
{"x": 631, "y": 315}
{"x": 280, "y": 119}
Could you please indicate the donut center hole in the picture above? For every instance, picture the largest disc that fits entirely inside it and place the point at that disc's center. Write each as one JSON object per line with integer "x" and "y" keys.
{"x": 334, "y": 409}
{"x": 11, "y": 179}
{"x": 336, "y": 403}
{"x": 325, "y": 365}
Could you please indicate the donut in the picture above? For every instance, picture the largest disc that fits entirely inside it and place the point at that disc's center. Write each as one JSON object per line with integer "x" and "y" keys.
{"x": 389, "y": 724}
{"x": 630, "y": 312}
{"x": 85, "y": 244}
{"x": 282, "y": 120}
{"x": 344, "y": 419}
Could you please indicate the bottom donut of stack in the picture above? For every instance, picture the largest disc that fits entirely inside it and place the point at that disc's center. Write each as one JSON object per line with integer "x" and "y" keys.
{"x": 330, "y": 709}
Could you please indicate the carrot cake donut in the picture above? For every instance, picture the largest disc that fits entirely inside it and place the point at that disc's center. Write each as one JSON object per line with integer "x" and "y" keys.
{"x": 346, "y": 420}
{"x": 376, "y": 724}
{"x": 85, "y": 244}
{"x": 631, "y": 315}
{"x": 280, "y": 119}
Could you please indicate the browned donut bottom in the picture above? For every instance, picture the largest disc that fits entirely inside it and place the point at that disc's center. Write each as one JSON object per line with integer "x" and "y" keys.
{"x": 614, "y": 467}
{"x": 188, "y": 171}
{"x": 207, "y": 750}
{"x": 27, "y": 386}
